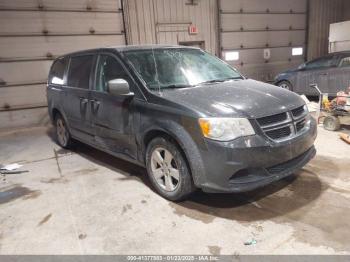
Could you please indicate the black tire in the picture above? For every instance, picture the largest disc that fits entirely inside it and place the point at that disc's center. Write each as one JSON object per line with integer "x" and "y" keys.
{"x": 285, "y": 85}
{"x": 61, "y": 130}
{"x": 184, "y": 185}
{"x": 331, "y": 123}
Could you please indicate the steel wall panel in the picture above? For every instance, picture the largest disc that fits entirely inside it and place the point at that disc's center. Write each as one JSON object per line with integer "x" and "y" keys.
{"x": 62, "y": 4}
{"x": 263, "y": 5}
{"x": 260, "y": 39}
{"x": 34, "y": 47}
{"x": 22, "y": 96}
{"x": 57, "y": 22}
{"x": 234, "y": 22}
{"x": 22, "y": 72}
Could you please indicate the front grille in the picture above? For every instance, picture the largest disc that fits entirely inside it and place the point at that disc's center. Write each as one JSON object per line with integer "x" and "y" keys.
{"x": 298, "y": 111}
{"x": 300, "y": 125}
{"x": 283, "y": 125}
{"x": 268, "y": 120}
{"x": 279, "y": 133}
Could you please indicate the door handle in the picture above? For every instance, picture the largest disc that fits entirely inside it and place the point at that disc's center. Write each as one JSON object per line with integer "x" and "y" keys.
{"x": 95, "y": 103}
{"x": 83, "y": 100}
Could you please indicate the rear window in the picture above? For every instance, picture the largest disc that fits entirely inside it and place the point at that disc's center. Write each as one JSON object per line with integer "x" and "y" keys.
{"x": 79, "y": 71}
{"x": 57, "y": 72}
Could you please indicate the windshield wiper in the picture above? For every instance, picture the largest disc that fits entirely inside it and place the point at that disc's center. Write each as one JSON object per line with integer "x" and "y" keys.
{"x": 221, "y": 80}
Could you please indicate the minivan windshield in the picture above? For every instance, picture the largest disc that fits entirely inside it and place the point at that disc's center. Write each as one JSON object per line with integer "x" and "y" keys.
{"x": 179, "y": 67}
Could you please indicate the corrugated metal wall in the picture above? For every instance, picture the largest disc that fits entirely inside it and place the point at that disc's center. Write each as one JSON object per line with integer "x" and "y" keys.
{"x": 32, "y": 33}
{"x": 167, "y": 22}
{"x": 322, "y": 14}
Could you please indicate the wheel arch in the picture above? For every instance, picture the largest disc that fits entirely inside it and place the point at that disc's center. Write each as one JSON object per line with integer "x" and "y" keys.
{"x": 185, "y": 143}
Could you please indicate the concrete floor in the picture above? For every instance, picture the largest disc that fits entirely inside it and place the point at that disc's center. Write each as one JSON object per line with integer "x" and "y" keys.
{"x": 87, "y": 202}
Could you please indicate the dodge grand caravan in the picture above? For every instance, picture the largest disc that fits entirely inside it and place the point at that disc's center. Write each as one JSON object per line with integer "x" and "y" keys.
{"x": 191, "y": 119}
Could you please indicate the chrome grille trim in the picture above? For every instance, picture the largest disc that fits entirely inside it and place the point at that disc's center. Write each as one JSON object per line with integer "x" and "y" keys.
{"x": 296, "y": 121}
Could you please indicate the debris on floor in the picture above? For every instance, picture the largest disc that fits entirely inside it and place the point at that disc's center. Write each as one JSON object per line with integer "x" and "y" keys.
{"x": 250, "y": 242}
{"x": 345, "y": 137}
{"x": 11, "y": 169}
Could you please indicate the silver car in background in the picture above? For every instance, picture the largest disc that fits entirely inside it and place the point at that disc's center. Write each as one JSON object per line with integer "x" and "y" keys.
{"x": 331, "y": 73}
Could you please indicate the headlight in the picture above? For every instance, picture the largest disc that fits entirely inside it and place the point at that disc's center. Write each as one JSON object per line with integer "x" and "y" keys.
{"x": 225, "y": 129}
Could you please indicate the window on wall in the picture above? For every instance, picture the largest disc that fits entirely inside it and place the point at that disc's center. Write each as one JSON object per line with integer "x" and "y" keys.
{"x": 57, "y": 72}
{"x": 231, "y": 55}
{"x": 297, "y": 51}
{"x": 79, "y": 71}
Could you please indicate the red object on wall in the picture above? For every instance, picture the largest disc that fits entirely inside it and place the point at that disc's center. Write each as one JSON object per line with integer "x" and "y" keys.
{"x": 192, "y": 30}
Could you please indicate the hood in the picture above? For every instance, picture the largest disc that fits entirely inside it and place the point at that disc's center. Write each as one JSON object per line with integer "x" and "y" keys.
{"x": 242, "y": 98}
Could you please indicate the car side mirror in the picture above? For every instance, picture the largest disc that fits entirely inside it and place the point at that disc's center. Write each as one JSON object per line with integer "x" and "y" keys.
{"x": 119, "y": 87}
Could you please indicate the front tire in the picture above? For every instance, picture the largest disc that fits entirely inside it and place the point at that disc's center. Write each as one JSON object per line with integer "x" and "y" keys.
{"x": 168, "y": 170}
{"x": 63, "y": 136}
{"x": 285, "y": 85}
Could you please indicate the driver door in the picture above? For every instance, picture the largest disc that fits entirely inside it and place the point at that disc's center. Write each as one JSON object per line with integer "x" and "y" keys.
{"x": 112, "y": 115}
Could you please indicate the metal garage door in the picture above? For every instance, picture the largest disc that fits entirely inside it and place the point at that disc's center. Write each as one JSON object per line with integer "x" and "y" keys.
{"x": 259, "y": 37}
{"x": 32, "y": 33}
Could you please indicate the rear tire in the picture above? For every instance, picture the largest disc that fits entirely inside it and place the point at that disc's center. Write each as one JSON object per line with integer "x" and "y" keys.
{"x": 285, "y": 85}
{"x": 63, "y": 136}
{"x": 331, "y": 123}
{"x": 168, "y": 170}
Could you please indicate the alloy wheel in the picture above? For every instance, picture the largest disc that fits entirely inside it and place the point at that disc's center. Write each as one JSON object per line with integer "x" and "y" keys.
{"x": 164, "y": 169}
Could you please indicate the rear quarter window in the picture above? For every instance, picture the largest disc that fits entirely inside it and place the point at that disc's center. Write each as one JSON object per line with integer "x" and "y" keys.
{"x": 58, "y": 68}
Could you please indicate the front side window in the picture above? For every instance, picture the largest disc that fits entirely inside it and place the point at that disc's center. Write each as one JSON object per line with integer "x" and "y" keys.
{"x": 57, "y": 72}
{"x": 79, "y": 71}
{"x": 179, "y": 67}
{"x": 320, "y": 63}
{"x": 108, "y": 69}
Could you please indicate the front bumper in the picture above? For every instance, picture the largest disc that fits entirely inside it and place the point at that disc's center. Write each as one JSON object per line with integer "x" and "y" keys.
{"x": 252, "y": 162}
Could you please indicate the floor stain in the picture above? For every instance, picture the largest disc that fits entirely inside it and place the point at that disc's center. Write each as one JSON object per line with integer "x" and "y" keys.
{"x": 82, "y": 236}
{"x": 214, "y": 250}
{"x": 318, "y": 214}
{"x": 143, "y": 201}
{"x": 86, "y": 171}
{"x": 44, "y": 220}
{"x": 126, "y": 208}
{"x": 59, "y": 180}
{"x": 17, "y": 192}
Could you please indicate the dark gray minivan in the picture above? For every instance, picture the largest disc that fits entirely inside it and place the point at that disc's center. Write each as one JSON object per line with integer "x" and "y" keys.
{"x": 191, "y": 119}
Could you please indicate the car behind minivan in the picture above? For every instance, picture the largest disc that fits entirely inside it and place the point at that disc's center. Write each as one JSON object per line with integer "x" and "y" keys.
{"x": 191, "y": 119}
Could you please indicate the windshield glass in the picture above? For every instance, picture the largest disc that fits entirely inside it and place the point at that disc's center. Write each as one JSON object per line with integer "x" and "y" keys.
{"x": 179, "y": 67}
